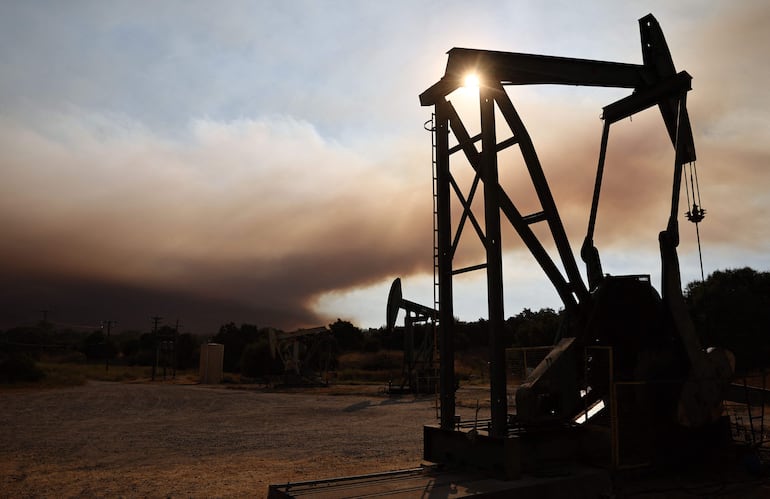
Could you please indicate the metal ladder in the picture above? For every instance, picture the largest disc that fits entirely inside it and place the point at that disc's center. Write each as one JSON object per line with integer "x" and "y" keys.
{"x": 430, "y": 126}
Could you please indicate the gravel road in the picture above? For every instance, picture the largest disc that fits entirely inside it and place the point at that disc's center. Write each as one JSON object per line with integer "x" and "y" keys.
{"x": 165, "y": 440}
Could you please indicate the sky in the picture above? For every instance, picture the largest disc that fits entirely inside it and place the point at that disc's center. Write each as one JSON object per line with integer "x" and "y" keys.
{"x": 265, "y": 162}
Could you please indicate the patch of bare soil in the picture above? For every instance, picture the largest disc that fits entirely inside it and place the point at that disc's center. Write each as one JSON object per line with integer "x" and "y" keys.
{"x": 165, "y": 440}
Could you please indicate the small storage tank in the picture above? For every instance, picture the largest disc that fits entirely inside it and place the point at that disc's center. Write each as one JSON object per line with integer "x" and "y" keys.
{"x": 212, "y": 359}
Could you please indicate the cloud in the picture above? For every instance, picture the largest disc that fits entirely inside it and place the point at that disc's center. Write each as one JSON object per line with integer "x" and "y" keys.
{"x": 248, "y": 161}
{"x": 261, "y": 213}
{"x": 728, "y": 114}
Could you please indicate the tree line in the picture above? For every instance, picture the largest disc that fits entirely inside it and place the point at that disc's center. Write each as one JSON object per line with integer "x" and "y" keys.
{"x": 730, "y": 309}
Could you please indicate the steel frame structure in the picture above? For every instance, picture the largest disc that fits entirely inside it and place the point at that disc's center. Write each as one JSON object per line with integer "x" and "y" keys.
{"x": 654, "y": 83}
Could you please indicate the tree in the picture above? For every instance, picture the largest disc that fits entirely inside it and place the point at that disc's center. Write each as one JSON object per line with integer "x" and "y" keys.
{"x": 130, "y": 348}
{"x": 235, "y": 340}
{"x": 731, "y": 309}
{"x": 187, "y": 350}
{"x": 15, "y": 368}
{"x": 348, "y": 336}
{"x": 535, "y": 328}
{"x": 31, "y": 338}
{"x": 97, "y": 346}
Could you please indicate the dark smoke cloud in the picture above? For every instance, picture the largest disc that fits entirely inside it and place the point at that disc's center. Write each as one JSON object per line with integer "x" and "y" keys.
{"x": 254, "y": 219}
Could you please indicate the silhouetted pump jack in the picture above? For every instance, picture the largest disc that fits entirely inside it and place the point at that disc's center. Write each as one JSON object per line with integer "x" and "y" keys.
{"x": 627, "y": 382}
{"x": 420, "y": 370}
{"x": 618, "y": 329}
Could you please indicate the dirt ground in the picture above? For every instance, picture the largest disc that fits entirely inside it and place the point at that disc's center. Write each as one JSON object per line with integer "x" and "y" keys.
{"x": 170, "y": 440}
{"x": 186, "y": 440}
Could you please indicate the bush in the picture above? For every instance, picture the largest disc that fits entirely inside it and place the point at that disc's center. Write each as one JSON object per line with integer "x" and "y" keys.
{"x": 17, "y": 368}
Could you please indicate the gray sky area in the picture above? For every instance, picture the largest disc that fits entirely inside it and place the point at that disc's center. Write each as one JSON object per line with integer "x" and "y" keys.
{"x": 265, "y": 162}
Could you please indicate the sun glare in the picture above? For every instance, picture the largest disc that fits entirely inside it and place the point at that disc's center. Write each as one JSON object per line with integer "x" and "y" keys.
{"x": 471, "y": 81}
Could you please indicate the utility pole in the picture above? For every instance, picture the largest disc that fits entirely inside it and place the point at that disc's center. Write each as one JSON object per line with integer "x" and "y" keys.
{"x": 109, "y": 324}
{"x": 155, "y": 321}
{"x": 174, "y": 350}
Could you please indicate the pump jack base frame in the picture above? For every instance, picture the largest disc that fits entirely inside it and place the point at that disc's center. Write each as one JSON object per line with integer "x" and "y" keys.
{"x": 436, "y": 481}
{"x": 470, "y": 463}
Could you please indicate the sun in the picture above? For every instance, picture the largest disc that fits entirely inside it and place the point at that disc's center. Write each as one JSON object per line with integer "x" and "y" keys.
{"x": 471, "y": 81}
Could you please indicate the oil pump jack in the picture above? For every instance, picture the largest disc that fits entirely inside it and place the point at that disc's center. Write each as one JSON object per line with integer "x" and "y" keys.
{"x": 419, "y": 366}
{"x": 652, "y": 339}
{"x": 624, "y": 346}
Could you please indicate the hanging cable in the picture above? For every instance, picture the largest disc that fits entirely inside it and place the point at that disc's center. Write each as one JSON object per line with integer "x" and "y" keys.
{"x": 697, "y": 187}
{"x": 695, "y": 213}
{"x": 687, "y": 190}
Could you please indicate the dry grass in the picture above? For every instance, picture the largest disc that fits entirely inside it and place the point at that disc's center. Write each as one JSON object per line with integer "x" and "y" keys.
{"x": 64, "y": 374}
{"x": 370, "y": 367}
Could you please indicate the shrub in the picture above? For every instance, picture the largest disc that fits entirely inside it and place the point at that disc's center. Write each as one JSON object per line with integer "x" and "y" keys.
{"x": 17, "y": 368}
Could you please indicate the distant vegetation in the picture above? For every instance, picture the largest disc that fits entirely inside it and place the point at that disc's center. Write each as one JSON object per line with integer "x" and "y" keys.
{"x": 730, "y": 309}
{"x": 34, "y": 353}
